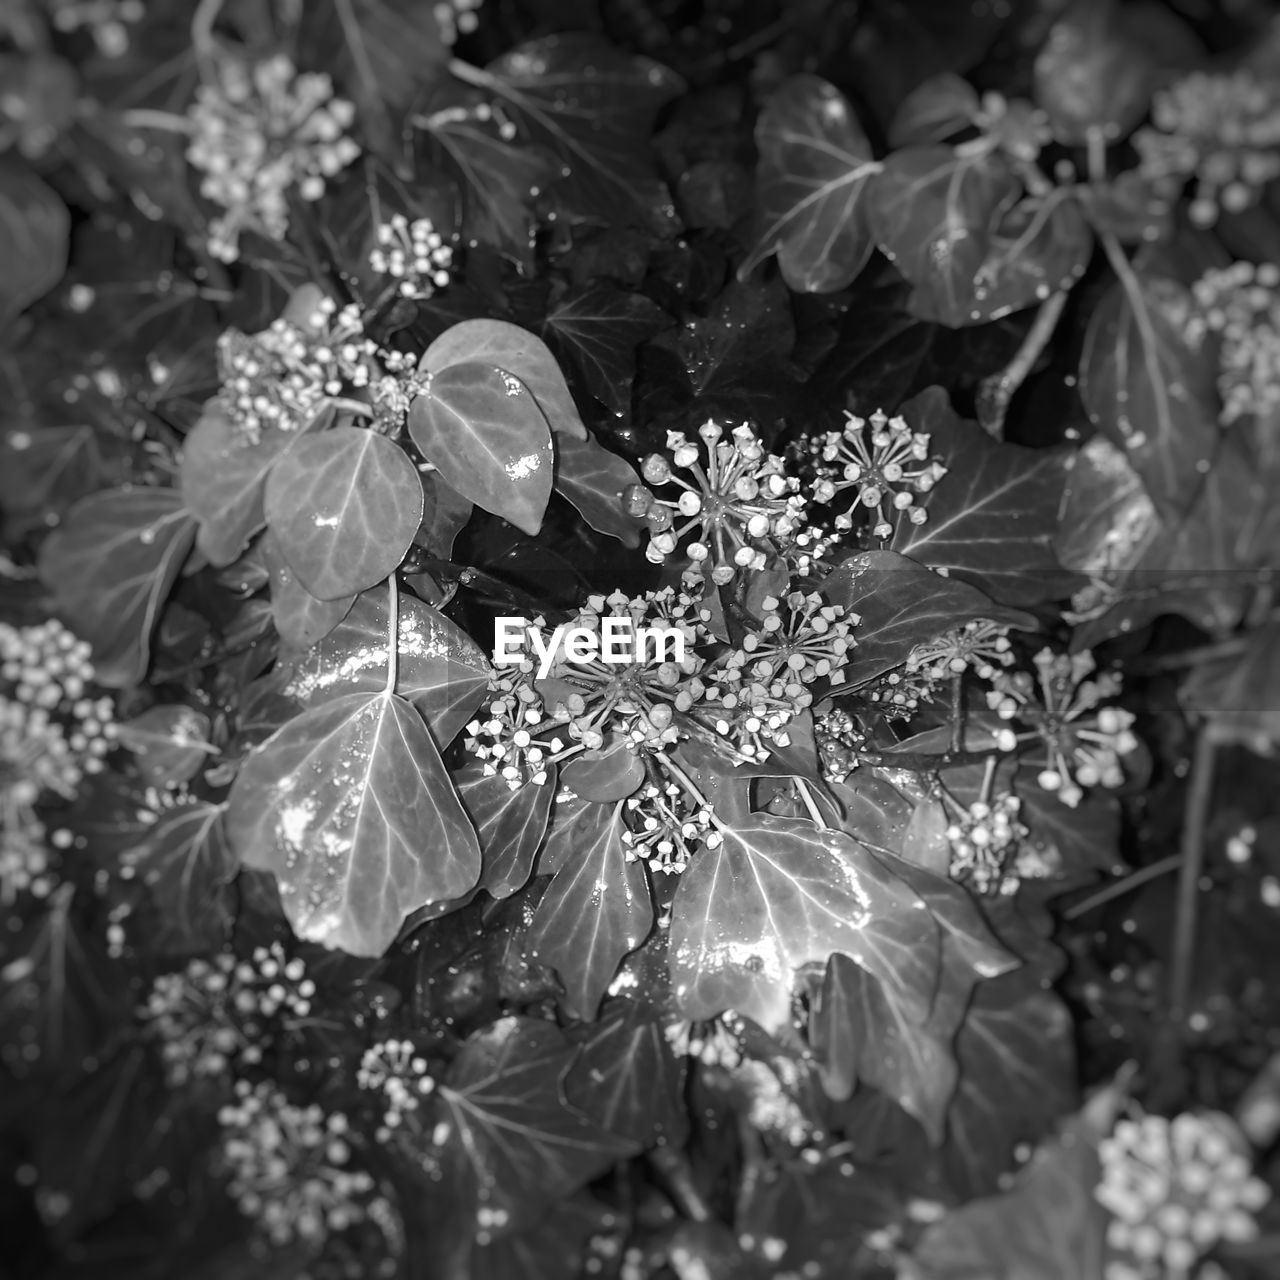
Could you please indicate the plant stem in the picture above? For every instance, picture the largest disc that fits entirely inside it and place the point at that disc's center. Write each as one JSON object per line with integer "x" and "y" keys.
{"x": 393, "y": 634}
{"x": 1118, "y": 888}
{"x": 803, "y": 788}
{"x": 957, "y": 711}
{"x": 1195, "y": 817}
{"x": 996, "y": 392}
{"x": 146, "y": 118}
{"x": 679, "y": 1180}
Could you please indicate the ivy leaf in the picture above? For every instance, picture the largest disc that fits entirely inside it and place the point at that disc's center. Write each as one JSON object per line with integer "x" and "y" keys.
{"x": 814, "y": 172}
{"x": 901, "y": 604}
{"x": 35, "y": 229}
{"x": 301, "y": 619}
{"x": 559, "y": 1243}
{"x": 344, "y": 506}
{"x": 514, "y": 350}
{"x": 111, "y": 565}
{"x": 352, "y": 810}
{"x": 446, "y": 512}
{"x": 593, "y": 107}
{"x": 513, "y": 1142}
{"x": 441, "y": 670}
{"x": 992, "y": 519}
{"x": 510, "y": 824}
{"x": 170, "y": 741}
{"x": 930, "y": 210}
{"x": 489, "y": 439}
{"x": 1150, "y": 391}
{"x": 1017, "y": 1076}
{"x": 934, "y": 111}
{"x": 911, "y": 1063}
{"x": 594, "y": 479}
{"x": 777, "y": 896}
{"x": 596, "y": 910}
{"x": 1107, "y": 519}
{"x": 222, "y": 478}
{"x": 599, "y": 326}
{"x": 629, "y": 1081}
{"x": 186, "y": 865}
{"x": 611, "y": 773}
{"x": 499, "y": 181}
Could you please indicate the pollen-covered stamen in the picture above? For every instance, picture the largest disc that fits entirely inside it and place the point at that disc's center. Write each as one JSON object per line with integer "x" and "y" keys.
{"x": 881, "y": 458}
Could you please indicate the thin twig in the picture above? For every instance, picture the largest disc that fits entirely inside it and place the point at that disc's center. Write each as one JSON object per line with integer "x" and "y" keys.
{"x": 996, "y": 392}
{"x": 1195, "y": 818}
{"x": 1125, "y": 884}
{"x": 957, "y": 711}
{"x": 678, "y": 1177}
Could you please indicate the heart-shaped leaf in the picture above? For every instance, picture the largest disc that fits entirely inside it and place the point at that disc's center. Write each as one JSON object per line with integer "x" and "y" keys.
{"x": 594, "y": 480}
{"x": 170, "y": 741}
{"x": 34, "y": 232}
{"x": 611, "y": 773}
{"x": 941, "y": 107}
{"x": 352, "y": 810}
{"x": 992, "y": 519}
{"x": 814, "y": 172}
{"x": 487, "y": 436}
{"x": 517, "y": 351}
{"x": 440, "y": 669}
{"x": 596, "y": 910}
{"x": 301, "y": 619}
{"x": 444, "y": 515}
{"x": 777, "y": 896}
{"x": 111, "y": 565}
{"x": 344, "y": 506}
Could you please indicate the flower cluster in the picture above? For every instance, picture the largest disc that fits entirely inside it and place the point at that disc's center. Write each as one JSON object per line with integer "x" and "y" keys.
{"x": 984, "y": 837}
{"x": 53, "y": 730}
{"x": 107, "y": 21}
{"x": 717, "y": 1043}
{"x": 25, "y": 864}
{"x": 395, "y": 1070}
{"x": 259, "y": 133}
{"x": 281, "y": 378}
{"x": 883, "y": 461}
{"x": 1240, "y": 304}
{"x": 1082, "y": 740}
{"x": 839, "y": 741}
{"x": 664, "y": 827}
{"x": 1175, "y": 1188}
{"x": 456, "y": 18}
{"x": 220, "y": 1015}
{"x": 1220, "y": 128}
{"x": 981, "y": 647}
{"x": 741, "y": 506}
{"x": 290, "y": 1169}
{"x": 771, "y": 1106}
{"x": 413, "y": 254}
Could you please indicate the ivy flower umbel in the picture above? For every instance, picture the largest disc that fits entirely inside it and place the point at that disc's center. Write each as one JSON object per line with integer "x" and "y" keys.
{"x": 665, "y": 826}
{"x": 1220, "y": 128}
{"x": 414, "y": 254}
{"x": 260, "y": 132}
{"x": 289, "y": 1167}
{"x": 400, "y": 1075}
{"x": 882, "y": 459}
{"x": 1082, "y": 740}
{"x": 741, "y": 507}
{"x": 1174, "y": 1189}
{"x": 984, "y": 838}
{"x": 981, "y": 647}
{"x": 1241, "y": 305}
{"x": 217, "y": 1016}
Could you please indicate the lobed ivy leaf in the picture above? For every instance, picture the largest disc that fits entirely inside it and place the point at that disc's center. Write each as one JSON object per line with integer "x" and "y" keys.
{"x": 300, "y": 618}
{"x": 489, "y": 439}
{"x": 813, "y": 176}
{"x": 510, "y": 824}
{"x": 499, "y": 181}
{"x": 170, "y": 742}
{"x": 517, "y": 351}
{"x": 513, "y": 1144}
{"x": 350, "y": 807}
{"x": 930, "y": 210}
{"x": 1149, "y": 390}
{"x": 111, "y": 565}
{"x": 440, "y": 669}
{"x": 35, "y": 230}
{"x": 992, "y": 519}
{"x": 777, "y": 896}
{"x": 187, "y": 867}
{"x": 344, "y": 506}
{"x": 594, "y": 479}
{"x": 599, "y": 326}
{"x": 222, "y": 476}
{"x": 628, "y": 1080}
{"x": 901, "y": 604}
{"x": 596, "y": 910}
{"x": 592, "y": 106}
